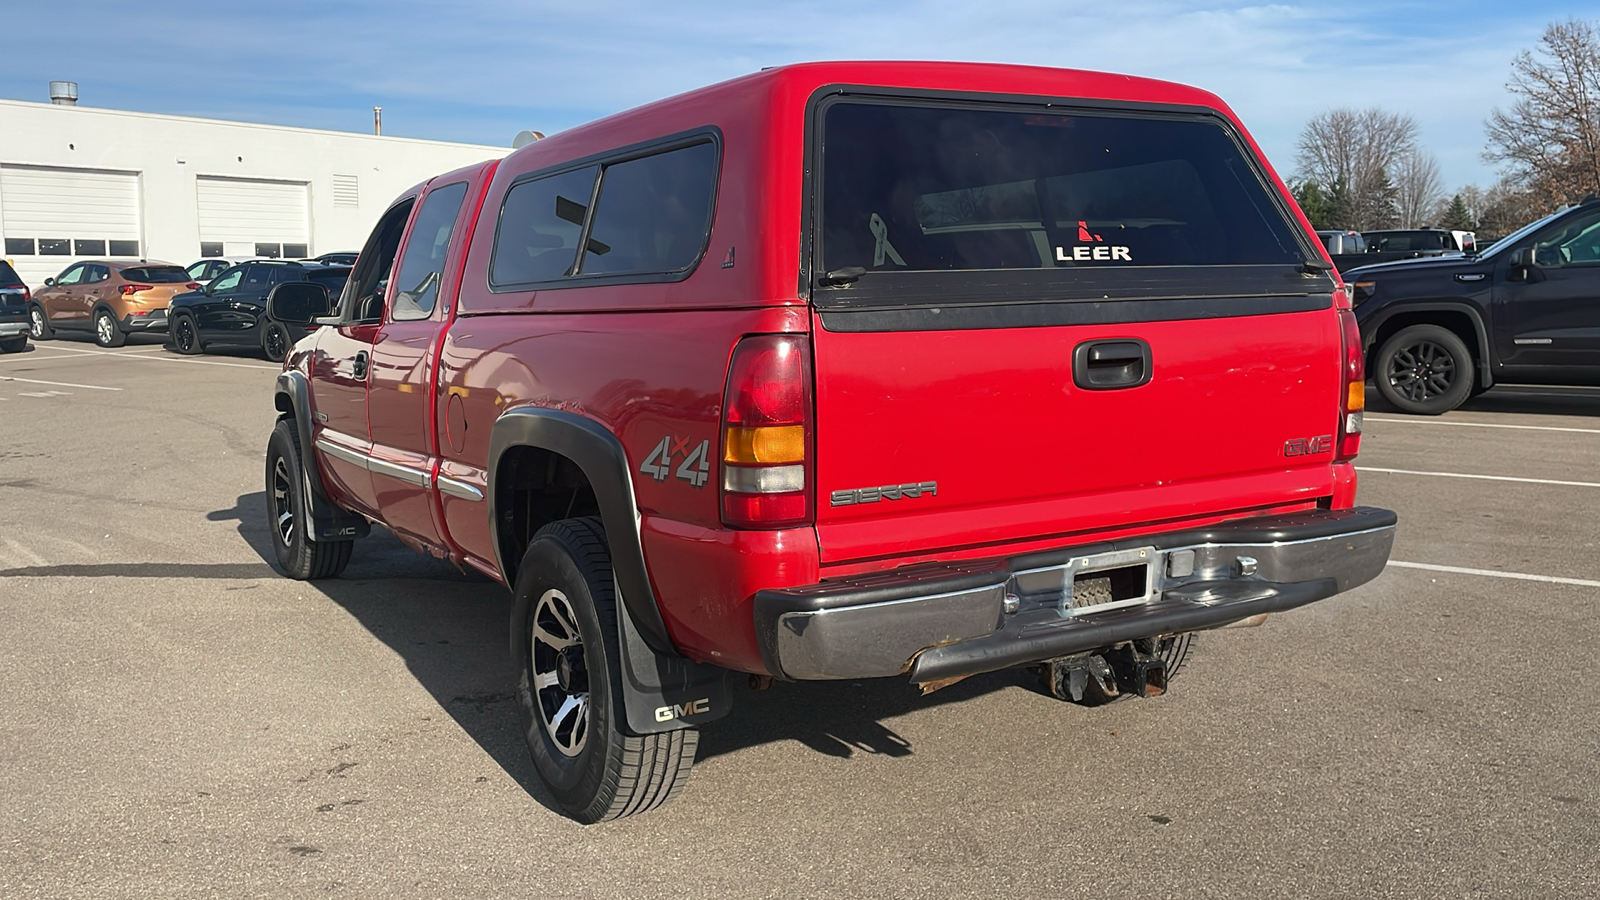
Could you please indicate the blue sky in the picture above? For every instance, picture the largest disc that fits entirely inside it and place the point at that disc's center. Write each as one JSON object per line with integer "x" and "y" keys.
{"x": 481, "y": 70}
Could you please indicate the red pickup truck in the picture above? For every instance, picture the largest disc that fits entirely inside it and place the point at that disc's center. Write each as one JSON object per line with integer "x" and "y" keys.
{"x": 839, "y": 370}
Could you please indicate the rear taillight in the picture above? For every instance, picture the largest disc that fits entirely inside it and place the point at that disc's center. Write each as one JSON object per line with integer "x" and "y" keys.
{"x": 765, "y": 434}
{"x": 134, "y": 288}
{"x": 192, "y": 286}
{"x": 1353, "y": 391}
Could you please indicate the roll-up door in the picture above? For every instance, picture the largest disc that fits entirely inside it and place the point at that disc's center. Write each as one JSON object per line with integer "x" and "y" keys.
{"x": 51, "y": 216}
{"x": 250, "y": 217}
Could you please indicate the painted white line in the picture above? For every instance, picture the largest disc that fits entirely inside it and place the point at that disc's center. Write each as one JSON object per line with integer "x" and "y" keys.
{"x": 192, "y": 362}
{"x": 31, "y": 358}
{"x": 90, "y": 387}
{"x": 1421, "y": 421}
{"x": 1592, "y": 484}
{"x": 1495, "y": 573}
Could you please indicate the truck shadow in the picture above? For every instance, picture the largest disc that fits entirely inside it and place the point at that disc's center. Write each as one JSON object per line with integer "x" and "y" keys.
{"x": 449, "y": 626}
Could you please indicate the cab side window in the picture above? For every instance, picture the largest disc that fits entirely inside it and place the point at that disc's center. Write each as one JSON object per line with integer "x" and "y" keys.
{"x": 417, "y": 287}
{"x": 363, "y": 293}
{"x": 73, "y": 275}
{"x": 1576, "y": 243}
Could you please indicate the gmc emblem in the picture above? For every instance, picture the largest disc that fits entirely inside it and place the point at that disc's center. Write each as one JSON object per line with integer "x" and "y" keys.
{"x": 1308, "y": 446}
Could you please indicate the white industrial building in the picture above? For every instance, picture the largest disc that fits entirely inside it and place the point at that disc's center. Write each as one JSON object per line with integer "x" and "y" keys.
{"x": 80, "y": 182}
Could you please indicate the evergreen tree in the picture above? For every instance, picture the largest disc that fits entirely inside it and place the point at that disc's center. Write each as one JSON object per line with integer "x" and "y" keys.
{"x": 1457, "y": 217}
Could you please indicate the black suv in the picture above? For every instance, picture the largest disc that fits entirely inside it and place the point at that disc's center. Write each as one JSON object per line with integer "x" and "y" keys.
{"x": 1527, "y": 309}
{"x": 232, "y": 308}
{"x": 14, "y": 299}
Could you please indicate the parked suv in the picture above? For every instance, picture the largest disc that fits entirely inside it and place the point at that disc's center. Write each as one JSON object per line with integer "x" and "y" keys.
{"x": 839, "y": 371}
{"x": 231, "y": 309}
{"x": 1437, "y": 331}
{"x": 107, "y": 298}
{"x": 14, "y": 298}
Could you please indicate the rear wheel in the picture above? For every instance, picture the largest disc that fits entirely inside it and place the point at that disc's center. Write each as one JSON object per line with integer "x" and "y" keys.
{"x": 275, "y": 342}
{"x": 185, "y": 337}
{"x": 564, "y": 635}
{"x": 107, "y": 333}
{"x": 288, "y": 513}
{"x": 1424, "y": 369}
{"x": 39, "y": 324}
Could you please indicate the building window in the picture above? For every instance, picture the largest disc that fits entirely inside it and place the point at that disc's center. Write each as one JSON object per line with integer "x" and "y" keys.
{"x": 294, "y": 251}
{"x": 55, "y": 247}
{"x": 124, "y": 248}
{"x": 88, "y": 248}
{"x": 268, "y": 251}
{"x": 210, "y": 249}
{"x": 346, "y": 191}
{"x": 19, "y": 246}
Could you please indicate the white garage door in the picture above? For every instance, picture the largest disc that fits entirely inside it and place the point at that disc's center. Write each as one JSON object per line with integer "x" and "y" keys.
{"x": 247, "y": 217}
{"x": 51, "y": 216}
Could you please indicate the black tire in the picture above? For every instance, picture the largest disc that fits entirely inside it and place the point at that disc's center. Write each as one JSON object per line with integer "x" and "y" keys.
{"x": 183, "y": 336}
{"x": 1424, "y": 369}
{"x": 564, "y": 640}
{"x": 300, "y": 557}
{"x": 39, "y": 324}
{"x": 275, "y": 342}
{"x": 14, "y": 345}
{"x": 107, "y": 333}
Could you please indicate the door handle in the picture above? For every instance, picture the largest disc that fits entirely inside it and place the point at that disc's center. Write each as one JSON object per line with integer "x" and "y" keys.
{"x": 359, "y": 365}
{"x": 1111, "y": 365}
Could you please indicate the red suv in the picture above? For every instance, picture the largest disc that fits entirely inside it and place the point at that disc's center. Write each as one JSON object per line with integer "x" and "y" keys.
{"x": 839, "y": 370}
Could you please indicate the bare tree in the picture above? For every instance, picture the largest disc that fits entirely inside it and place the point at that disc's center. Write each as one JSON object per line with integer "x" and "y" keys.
{"x": 1351, "y": 153}
{"x": 1550, "y": 138}
{"x": 1419, "y": 190}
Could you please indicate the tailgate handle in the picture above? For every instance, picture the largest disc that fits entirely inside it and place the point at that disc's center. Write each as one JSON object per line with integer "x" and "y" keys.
{"x": 1111, "y": 365}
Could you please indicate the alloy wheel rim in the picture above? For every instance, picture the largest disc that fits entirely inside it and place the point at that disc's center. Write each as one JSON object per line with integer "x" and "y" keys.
{"x": 560, "y": 673}
{"x": 282, "y": 508}
{"x": 183, "y": 334}
{"x": 102, "y": 327}
{"x": 275, "y": 342}
{"x": 1422, "y": 371}
{"x": 36, "y": 320}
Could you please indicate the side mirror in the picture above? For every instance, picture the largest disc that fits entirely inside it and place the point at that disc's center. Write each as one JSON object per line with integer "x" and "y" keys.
{"x": 298, "y": 303}
{"x": 49, "y": 281}
{"x": 1522, "y": 258}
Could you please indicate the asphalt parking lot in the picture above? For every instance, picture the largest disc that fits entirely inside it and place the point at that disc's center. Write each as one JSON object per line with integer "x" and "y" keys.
{"x": 178, "y": 720}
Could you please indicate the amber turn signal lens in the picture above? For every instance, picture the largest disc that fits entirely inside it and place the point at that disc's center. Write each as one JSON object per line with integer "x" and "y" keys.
{"x": 1357, "y": 399}
{"x": 765, "y": 444}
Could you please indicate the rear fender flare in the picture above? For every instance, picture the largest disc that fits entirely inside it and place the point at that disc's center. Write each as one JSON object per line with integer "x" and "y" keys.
{"x": 661, "y": 689}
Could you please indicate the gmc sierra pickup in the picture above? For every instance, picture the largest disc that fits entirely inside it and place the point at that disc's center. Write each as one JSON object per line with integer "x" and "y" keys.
{"x": 839, "y": 370}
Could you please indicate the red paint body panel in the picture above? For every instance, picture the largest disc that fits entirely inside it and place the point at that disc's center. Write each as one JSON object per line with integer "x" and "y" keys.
{"x": 1023, "y": 459}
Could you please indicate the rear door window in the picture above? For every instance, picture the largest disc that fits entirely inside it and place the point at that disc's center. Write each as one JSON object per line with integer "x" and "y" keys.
{"x": 423, "y": 263}
{"x": 954, "y": 188}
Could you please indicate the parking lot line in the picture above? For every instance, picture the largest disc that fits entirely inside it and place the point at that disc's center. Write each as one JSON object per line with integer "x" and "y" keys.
{"x": 1484, "y": 425}
{"x": 194, "y": 362}
{"x": 1495, "y": 573}
{"x": 88, "y": 387}
{"x": 31, "y": 358}
{"x": 1592, "y": 484}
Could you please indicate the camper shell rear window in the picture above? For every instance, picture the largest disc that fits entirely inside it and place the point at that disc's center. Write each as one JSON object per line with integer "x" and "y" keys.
{"x": 948, "y": 201}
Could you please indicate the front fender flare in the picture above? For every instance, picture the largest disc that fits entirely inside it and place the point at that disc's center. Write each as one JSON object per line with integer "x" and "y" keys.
{"x": 292, "y": 397}
{"x": 1371, "y": 327}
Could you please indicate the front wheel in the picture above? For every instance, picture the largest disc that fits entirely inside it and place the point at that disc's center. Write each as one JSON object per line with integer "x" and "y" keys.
{"x": 185, "y": 337}
{"x": 1424, "y": 369}
{"x": 106, "y": 331}
{"x": 564, "y": 636}
{"x": 39, "y": 324}
{"x": 288, "y": 513}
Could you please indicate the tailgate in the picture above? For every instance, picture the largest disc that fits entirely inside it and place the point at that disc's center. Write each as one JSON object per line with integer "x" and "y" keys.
{"x": 966, "y": 254}
{"x": 933, "y": 440}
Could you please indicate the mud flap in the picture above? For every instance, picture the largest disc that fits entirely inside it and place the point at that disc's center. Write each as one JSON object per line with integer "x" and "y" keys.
{"x": 666, "y": 693}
